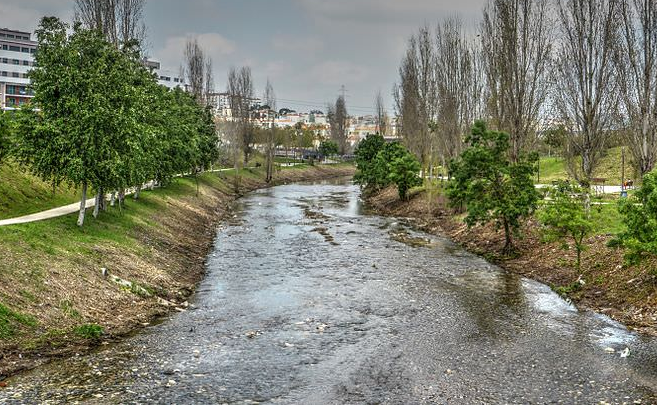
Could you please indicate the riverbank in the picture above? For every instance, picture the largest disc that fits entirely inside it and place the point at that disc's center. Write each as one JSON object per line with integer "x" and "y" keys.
{"x": 604, "y": 283}
{"x": 56, "y": 299}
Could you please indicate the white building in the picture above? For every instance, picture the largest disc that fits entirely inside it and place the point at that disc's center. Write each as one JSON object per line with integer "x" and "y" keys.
{"x": 165, "y": 77}
{"x": 16, "y": 59}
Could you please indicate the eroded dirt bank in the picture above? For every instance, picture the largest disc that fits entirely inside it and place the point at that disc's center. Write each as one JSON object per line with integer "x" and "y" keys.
{"x": 625, "y": 293}
{"x": 162, "y": 257}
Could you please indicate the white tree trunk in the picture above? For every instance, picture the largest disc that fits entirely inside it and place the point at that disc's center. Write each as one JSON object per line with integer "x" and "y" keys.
{"x": 137, "y": 192}
{"x": 97, "y": 204}
{"x": 83, "y": 205}
{"x": 113, "y": 199}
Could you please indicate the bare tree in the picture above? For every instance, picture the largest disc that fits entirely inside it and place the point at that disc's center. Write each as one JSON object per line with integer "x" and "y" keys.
{"x": 338, "y": 119}
{"x": 269, "y": 98}
{"x": 381, "y": 115}
{"x": 240, "y": 96}
{"x": 120, "y": 21}
{"x": 516, "y": 48}
{"x": 636, "y": 62}
{"x": 198, "y": 72}
{"x": 585, "y": 94}
{"x": 415, "y": 96}
{"x": 458, "y": 88}
{"x": 410, "y": 105}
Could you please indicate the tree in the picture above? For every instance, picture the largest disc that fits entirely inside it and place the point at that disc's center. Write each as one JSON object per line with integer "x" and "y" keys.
{"x": 198, "y": 72}
{"x": 4, "y": 134}
{"x": 564, "y": 216}
{"x": 516, "y": 47}
{"x": 636, "y": 62}
{"x": 269, "y": 98}
{"x": 458, "y": 88}
{"x": 120, "y": 21}
{"x": 404, "y": 173}
{"x": 88, "y": 110}
{"x": 338, "y": 119}
{"x": 328, "y": 148}
{"x": 640, "y": 216}
{"x": 587, "y": 105}
{"x": 381, "y": 168}
{"x": 415, "y": 95}
{"x": 240, "y": 96}
{"x": 366, "y": 152}
{"x": 490, "y": 185}
{"x": 381, "y": 115}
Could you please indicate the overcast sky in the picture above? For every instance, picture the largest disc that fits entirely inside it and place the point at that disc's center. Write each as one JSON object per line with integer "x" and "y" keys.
{"x": 308, "y": 48}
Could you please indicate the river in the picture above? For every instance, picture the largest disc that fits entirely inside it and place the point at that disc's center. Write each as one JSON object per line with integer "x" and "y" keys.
{"x": 308, "y": 299}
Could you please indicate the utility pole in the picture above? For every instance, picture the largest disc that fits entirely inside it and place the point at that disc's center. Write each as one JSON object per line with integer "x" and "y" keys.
{"x": 343, "y": 91}
{"x": 622, "y": 168}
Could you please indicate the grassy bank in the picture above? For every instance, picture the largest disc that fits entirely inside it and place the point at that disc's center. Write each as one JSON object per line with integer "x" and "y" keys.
{"x": 625, "y": 293}
{"x": 22, "y": 194}
{"x": 54, "y": 298}
{"x": 609, "y": 168}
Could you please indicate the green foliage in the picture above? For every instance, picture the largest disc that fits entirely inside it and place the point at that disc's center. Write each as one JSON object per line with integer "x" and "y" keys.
{"x": 366, "y": 152}
{"x": 381, "y": 164}
{"x": 489, "y": 185}
{"x": 640, "y": 215}
{"x": 103, "y": 121}
{"x": 4, "y": 134}
{"x": 564, "y": 216}
{"x": 328, "y": 148}
{"x": 404, "y": 172}
{"x": 89, "y": 331}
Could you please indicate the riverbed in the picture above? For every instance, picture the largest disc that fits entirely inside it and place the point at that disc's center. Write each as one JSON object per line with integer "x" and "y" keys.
{"x": 309, "y": 299}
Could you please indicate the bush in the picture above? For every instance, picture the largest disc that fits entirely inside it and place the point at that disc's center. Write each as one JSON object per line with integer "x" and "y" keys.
{"x": 366, "y": 153}
{"x": 404, "y": 173}
{"x": 640, "y": 216}
{"x": 565, "y": 216}
{"x": 89, "y": 331}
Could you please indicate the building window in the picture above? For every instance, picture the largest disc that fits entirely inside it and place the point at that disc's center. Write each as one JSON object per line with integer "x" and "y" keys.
{"x": 32, "y": 50}
{"x": 11, "y": 36}
{"x": 15, "y": 74}
{"x": 5, "y": 60}
{"x": 4, "y": 74}
{"x": 4, "y": 47}
{"x": 25, "y": 50}
{"x": 16, "y": 62}
{"x": 26, "y": 63}
{"x": 14, "y": 48}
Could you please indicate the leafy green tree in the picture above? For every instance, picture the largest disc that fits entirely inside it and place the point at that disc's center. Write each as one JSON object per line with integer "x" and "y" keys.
{"x": 4, "y": 134}
{"x": 564, "y": 216}
{"x": 492, "y": 187}
{"x": 404, "y": 173}
{"x": 640, "y": 216}
{"x": 389, "y": 153}
{"x": 89, "y": 110}
{"x": 328, "y": 148}
{"x": 366, "y": 152}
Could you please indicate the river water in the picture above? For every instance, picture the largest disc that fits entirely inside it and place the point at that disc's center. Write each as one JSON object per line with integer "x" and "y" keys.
{"x": 310, "y": 300}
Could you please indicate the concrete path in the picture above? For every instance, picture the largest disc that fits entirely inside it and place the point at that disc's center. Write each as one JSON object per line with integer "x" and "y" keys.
{"x": 53, "y": 213}
{"x": 74, "y": 207}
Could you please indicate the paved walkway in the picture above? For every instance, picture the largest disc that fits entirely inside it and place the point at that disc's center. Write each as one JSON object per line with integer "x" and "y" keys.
{"x": 71, "y": 208}
{"x": 53, "y": 213}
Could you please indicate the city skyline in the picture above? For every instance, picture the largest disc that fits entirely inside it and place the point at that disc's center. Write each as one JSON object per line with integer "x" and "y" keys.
{"x": 307, "y": 48}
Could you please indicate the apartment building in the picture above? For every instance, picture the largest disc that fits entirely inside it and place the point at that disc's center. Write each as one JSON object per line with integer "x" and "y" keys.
{"x": 16, "y": 59}
{"x": 165, "y": 77}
